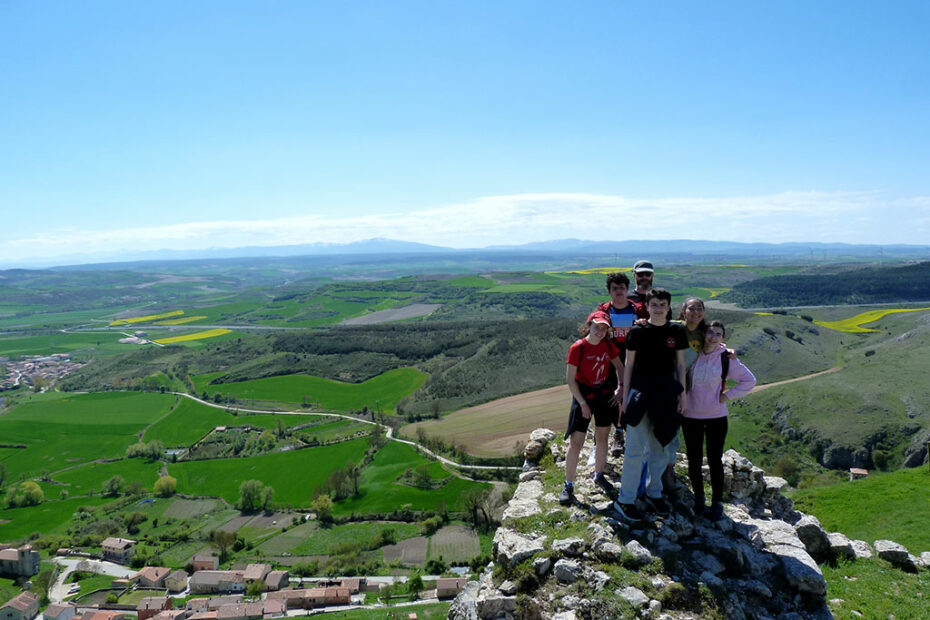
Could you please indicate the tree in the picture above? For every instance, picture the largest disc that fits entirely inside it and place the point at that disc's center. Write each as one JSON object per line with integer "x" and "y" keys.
{"x": 415, "y": 584}
{"x": 221, "y": 540}
{"x": 166, "y": 486}
{"x": 354, "y": 473}
{"x": 251, "y": 495}
{"x": 132, "y": 520}
{"x": 2, "y": 474}
{"x": 26, "y": 493}
{"x": 322, "y": 505}
{"x": 113, "y": 486}
{"x": 421, "y": 477}
{"x": 255, "y": 588}
{"x": 474, "y": 501}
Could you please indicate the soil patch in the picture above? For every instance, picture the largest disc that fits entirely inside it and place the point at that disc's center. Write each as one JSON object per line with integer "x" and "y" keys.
{"x": 455, "y": 543}
{"x": 497, "y": 427}
{"x": 394, "y": 314}
{"x": 411, "y": 551}
{"x": 189, "y": 508}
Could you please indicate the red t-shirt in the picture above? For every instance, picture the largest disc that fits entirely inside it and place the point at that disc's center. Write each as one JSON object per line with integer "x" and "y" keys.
{"x": 592, "y": 360}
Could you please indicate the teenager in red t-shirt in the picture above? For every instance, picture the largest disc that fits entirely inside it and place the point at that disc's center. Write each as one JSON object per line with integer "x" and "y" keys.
{"x": 594, "y": 395}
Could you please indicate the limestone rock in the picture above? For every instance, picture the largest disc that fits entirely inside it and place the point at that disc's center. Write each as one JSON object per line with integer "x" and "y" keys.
{"x": 862, "y": 549}
{"x": 525, "y": 500}
{"x": 801, "y": 570}
{"x": 511, "y": 547}
{"x": 608, "y": 551}
{"x": 640, "y": 553}
{"x": 897, "y": 554}
{"x": 813, "y": 536}
{"x": 774, "y": 486}
{"x": 544, "y": 435}
{"x": 541, "y": 566}
{"x": 508, "y": 587}
{"x": 708, "y": 563}
{"x": 568, "y": 571}
{"x": 840, "y": 546}
{"x": 532, "y": 474}
{"x": 634, "y": 596}
{"x": 924, "y": 561}
{"x": 570, "y": 547}
{"x": 464, "y": 606}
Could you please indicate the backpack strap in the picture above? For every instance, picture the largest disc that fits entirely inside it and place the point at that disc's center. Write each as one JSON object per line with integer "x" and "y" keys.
{"x": 724, "y": 368}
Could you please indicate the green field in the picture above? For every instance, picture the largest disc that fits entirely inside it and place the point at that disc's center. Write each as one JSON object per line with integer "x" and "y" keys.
{"x": 47, "y": 517}
{"x": 191, "y": 420}
{"x": 380, "y": 492}
{"x": 891, "y": 506}
{"x": 89, "y": 478}
{"x": 323, "y": 541}
{"x": 380, "y": 393}
{"x": 429, "y": 611}
{"x": 87, "y": 343}
{"x": 63, "y": 430}
{"x": 294, "y": 475}
{"x": 875, "y": 589}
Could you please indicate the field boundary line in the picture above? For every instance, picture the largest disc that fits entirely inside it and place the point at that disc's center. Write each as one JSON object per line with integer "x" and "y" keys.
{"x": 389, "y": 432}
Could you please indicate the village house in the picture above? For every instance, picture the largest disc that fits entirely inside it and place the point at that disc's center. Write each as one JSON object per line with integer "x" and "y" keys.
{"x": 213, "y": 603}
{"x": 23, "y": 606}
{"x": 255, "y": 572}
{"x": 277, "y": 579}
{"x": 176, "y": 581}
{"x": 18, "y": 562}
{"x": 311, "y": 597}
{"x": 152, "y": 577}
{"x": 449, "y": 587}
{"x": 205, "y": 561}
{"x": 171, "y": 614}
{"x": 252, "y": 611}
{"x": 210, "y": 581}
{"x": 118, "y": 550}
{"x": 60, "y": 611}
{"x": 105, "y": 614}
{"x": 152, "y": 605}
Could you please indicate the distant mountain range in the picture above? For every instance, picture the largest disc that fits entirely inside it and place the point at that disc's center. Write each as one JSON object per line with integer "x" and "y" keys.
{"x": 676, "y": 250}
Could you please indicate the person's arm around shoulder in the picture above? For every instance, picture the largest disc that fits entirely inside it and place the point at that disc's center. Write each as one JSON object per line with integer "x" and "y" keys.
{"x": 570, "y": 377}
{"x": 680, "y": 369}
{"x": 745, "y": 381}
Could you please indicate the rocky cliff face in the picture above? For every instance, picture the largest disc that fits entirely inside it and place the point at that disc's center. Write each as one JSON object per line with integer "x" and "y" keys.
{"x": 759, "y": 561}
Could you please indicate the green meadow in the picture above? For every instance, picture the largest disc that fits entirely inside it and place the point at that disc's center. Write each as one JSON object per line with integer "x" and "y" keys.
{"x": 380, "y": 392}
{"x": 63, "y": 430}
{"x": 89, "y": 478}
{"x": 294, "y": 475}
{"x": 325, "y": 540}
{"x": 87, "y": 343}
{"x": 48, "y": 517}
{"x": 380, "y": 492}
{"x": 891, "y": 506}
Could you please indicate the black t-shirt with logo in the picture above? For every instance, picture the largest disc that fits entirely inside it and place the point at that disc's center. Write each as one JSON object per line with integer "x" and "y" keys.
{"x": 656, "y": 347}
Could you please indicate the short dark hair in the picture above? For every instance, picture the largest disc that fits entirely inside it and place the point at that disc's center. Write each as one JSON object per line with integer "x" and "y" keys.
{"x": 659, "y": 293}
{"x": 617, "y": 278}
{"x": 720, "y": 325}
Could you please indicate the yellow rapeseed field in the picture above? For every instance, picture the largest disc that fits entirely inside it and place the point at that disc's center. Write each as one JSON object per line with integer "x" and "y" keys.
{"x": 182, "y": 321}
{"x": 604, "y": 270}
{"x": 853, "y": 325}
{"x": 210, "y": 333}
{"x": 148, "y": 317}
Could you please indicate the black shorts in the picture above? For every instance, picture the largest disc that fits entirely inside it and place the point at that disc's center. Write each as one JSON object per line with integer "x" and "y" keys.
{"x": 598, "y": 399}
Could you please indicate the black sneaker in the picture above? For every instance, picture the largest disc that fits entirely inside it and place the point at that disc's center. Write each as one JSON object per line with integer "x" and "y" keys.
{"x": 567, "y": 496}
{"x": 604, "y": 485}
{"x": 628, "y": 512}
{"x": 716, "y": 511}
{"x": 619, "y": 443}
{"x": 659, "y": 506}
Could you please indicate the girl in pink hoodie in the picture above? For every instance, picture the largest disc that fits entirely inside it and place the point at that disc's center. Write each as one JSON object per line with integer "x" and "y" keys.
{"x": 706, "y": 415}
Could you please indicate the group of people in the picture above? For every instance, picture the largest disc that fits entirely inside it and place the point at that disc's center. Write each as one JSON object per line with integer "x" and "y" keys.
{"x": 648, "y": 376}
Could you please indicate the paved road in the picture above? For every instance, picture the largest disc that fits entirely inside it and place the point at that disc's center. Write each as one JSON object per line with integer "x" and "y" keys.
{"x": 59, "y": 589}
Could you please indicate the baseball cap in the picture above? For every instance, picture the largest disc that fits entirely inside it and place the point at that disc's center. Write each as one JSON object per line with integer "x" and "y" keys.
{"x": 643, "y": 266}
{"x": 599, "y": 316}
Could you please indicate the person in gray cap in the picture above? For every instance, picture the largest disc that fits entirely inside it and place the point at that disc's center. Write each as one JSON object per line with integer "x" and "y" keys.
{"x": 642, "y": 273}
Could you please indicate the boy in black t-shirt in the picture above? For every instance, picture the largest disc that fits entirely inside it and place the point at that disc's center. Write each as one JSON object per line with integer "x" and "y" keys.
{"x": 653, "y": 395}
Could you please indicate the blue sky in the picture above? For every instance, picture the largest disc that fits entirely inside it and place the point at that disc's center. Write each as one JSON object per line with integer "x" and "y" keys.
{"x": 149, "y": 125}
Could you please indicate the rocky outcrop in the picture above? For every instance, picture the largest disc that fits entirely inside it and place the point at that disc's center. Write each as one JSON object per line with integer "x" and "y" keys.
{"x": 582, "y": 561}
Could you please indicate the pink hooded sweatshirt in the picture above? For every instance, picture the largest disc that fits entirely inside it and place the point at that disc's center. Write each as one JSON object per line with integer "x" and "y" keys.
{"x": 704, "y": 396}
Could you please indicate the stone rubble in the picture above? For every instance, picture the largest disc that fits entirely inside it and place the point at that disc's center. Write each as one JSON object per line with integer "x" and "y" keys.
{"x": 759, "y": 562}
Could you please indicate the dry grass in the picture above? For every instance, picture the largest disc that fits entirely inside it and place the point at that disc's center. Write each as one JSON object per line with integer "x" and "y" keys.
{"x": 455, "y": 543}
{"x": 495, "y": 428}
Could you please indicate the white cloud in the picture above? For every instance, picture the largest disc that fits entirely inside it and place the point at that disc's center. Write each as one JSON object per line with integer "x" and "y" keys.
{"x": 864, "y": 217}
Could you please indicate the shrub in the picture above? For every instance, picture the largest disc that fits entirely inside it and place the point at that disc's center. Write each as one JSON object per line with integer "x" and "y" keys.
{"x": 166, "y": 486}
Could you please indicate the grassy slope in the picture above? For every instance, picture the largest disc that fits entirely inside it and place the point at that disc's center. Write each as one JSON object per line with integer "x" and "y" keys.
{"x": 294, "y": 475}
{"x": 891, "y": 506}
{"x": 63, "y": 430}
{"x": 857, "y": 405}
{"x": 47, "y": 517}
{"x": 379, "y": 492}
{"x": 383, "y": 391}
